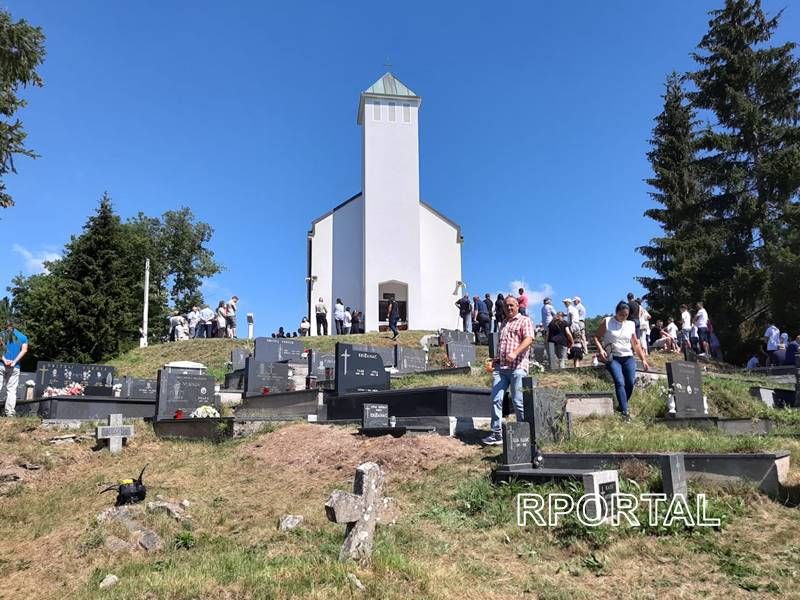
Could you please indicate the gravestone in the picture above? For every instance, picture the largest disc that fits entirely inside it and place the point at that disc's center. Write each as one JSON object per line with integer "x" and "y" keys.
{"x": 359, "y": 371}
{"x": 115, "y": 432}
{"x": 689, "y": 355}
{"x": 361, "y": 511}
{"x": 447, "y": 336}
{"x": 494, "y": 339}
{"x": 133, "y": 387}
{"x": 272, "y": 376}
{"x": 461, "y": 355}
{"x": 292, "y": 350}
{"x": 546, "y": 412}
{"x": 673, "y": 475}
{"x": 322, "y": 365}
{"x": 185, "y": 392}
{"x": 410, "y": 360}
{"x": 278, "y": 350}
{"x": 59, "y": 375}
{"x": 517, "y": 450}
{"x": 238, "y": 356}
{"x": 375, "y": 416}
{"x": 386, "y": 353}
{"x": 605, "y": 485}
{"x": 686, "y": 383}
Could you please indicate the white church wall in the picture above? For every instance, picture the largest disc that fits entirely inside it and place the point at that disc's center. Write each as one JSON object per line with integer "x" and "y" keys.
{"x": 440, "y": 267}
{"x": 322, "y": 268}
{"x": 348, "y": 254}
{"x": 391, "y": 209}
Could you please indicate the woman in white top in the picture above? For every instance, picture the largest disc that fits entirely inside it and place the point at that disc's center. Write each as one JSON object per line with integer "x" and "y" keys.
{"x": 644, "y": 328}
{"x": 616, "y": 342}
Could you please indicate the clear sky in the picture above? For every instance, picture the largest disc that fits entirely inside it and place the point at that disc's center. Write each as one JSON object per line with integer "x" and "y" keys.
{"x": 534, "y": 127}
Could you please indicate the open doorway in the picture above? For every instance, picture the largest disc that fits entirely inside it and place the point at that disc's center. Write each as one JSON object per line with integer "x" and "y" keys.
{"x": 397, "y": 291}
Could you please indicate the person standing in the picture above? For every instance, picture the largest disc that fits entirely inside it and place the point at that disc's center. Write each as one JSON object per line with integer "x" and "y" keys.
{"x": 581, "y": 307}
{"x": 644, "y": 328}
{"x": 16, "y": 346}
{"x": 684, "y": 335}
{"x": 484, "y": 316}
{"x": 205, "y": 324}
{"x": 393, "y": 316}
{"x": 230, "y": 316}
{"x": 305, "y": 327}
{"x": 791, "y": 352}
{"x": 559, "y": 340}
{"x": 222, "y": 320}
{"x": 523, "y": 302}
{"x": 338, "y": 316}
{"x": 617, "y": 341}
{"x": 701, "y": 321}
{"x": 465, "y": 312}
{"x": 321, "y": 312}
{"x": 772, "y": 337}
{"x": 509, "y": 367}
{"x": 347, "y": 322}
{"x": 548, "y": 314}
{"x": 499, "y": 312}
{"x": 193, "y": 316}
{"x": 487, "y": 300}
{"x": 356, "y": 328}
{"x": 633, "y": 312}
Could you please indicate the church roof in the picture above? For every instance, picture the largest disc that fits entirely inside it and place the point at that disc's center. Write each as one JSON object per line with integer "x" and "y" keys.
{"x": 389, "y": 85}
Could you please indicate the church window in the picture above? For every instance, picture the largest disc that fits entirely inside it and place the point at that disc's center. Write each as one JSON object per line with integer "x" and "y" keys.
{"x": 392, "y": 107}
{"x": 376, "y": 111}
{"x": 406, "y": 112}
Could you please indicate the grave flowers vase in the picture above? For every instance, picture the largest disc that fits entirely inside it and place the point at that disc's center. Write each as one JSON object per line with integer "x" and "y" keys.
{"x": 265, "y": 390}
{"x": 179, "y": 414}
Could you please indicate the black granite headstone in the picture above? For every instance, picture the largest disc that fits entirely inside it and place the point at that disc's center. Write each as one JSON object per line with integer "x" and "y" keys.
{"x": 260, "y": 376}
{"x": 59, "y": 375}
{"x": 461, "y": 355}
{"x": 409, "y": 360}
{"x": 517, "y": 449}
{"x": 267, "y": 349}
{"x": 386, "y": 352}
{"x": 322, "y": 365}
{"x": 494, "y": 339}
{"x": 375, "y": 415}
{"x": 359, "y": 371}
{"x": 673, "y": 475}
{"x": 185, "y": 392}
{"x": 447, "y": 336}
{"x": 292, "y": 350}
{"x": 686, "y": 382}
{"x": 238, "y": 356}
{"x": 133, "y": 387}
{"x": 546, "y": 412}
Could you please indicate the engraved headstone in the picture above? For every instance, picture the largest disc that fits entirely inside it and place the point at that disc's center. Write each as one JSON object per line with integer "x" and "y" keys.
{"x": 359, "y": 371}
{"x": 386, "y": 352}
{"x": 461, "y": 355}
{"x": 183, "y": 392}
{"x": 517, "y": 450}
{"x": 494, "y": 339}
{"x": 267, "y": 349}
{"x": 322, "y": 365}
{"x": 447, "y": 336}
{"x": 673, "y": 475}
{"x": 59, "y": 375}
{"x": 133, "y": 387}
{"x": 115, "y": 432}
{"x": 686, "y": 383}
{"x": 238, "y": 356}
{"x": 546, "y": 412}
{"x": 603, "y": 486}
{"x": 265, "y": 376}
{"x": 410, "y": 360}
{"x": 375, "y": 415}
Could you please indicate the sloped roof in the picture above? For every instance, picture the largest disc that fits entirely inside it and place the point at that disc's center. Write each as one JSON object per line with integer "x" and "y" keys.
{"x": 389, "y": 85}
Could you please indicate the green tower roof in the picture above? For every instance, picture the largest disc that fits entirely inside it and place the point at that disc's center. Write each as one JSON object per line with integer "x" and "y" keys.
{"x": 389, "y": 85}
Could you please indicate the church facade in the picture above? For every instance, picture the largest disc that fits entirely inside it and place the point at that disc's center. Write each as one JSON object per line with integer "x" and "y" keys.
{"x": 385, "y": 242}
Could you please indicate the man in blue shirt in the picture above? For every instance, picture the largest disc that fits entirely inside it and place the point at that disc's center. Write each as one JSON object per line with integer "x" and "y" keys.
{"x": 15, "y": 345}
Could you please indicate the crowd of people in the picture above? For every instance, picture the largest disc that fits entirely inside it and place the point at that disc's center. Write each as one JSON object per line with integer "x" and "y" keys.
{"x": 203, "y": 322}
{"x": 776, "y": 351}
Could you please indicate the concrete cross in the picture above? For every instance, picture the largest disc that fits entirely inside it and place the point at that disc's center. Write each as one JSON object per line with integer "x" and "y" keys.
{"x": 361, "y": 511}
{"x": 115, "y": 433}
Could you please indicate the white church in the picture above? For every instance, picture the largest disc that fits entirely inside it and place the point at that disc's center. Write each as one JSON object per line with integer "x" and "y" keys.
{"x": 385, "y": 242}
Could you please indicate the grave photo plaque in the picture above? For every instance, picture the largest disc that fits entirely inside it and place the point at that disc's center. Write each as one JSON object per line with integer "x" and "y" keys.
{"x": 58, "y": 375}
{"x": 461, "y": 355}
{"x": 260, "y": 376}
{"x": 409, "y": 360}
{"x": 686, "y": 383}
{"x": 359, "y": 371}
{"x": 185, "y": 392}
{"x": 375, "y": 415}
{"x": 322, "y": 365}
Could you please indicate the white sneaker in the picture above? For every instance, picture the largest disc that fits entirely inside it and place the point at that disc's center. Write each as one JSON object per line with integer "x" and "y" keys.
{"x": 495, "y": 439}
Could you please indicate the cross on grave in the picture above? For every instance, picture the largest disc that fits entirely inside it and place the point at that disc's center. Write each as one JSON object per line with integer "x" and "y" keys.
{"x": 115, "y": 432}
{"x": 345, "y": 356}
{"x": 361, "y": 511}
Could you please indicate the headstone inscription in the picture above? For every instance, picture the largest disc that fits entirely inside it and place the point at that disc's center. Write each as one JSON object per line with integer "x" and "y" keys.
{"x": 375, "y": 415}
{"x": 461, "y": 355}
{"x": 447, "y": 336}
{"x": 59, "y": 375}
{"x": 603, "y": 486}
{"x": 265, "y": 377}
{"x": 115, "y": 432}
{"x": 387, "y": 353}
{"x": 292, "y": 350}
{"x": 517, "y": 450}
{"x": 238, "y": 356}
{"x": 410, "y": 360}
{"x": 183, "y": 392}
{"x": 279, "y": 350}
{"x": 322, "y": 365}
{"x": 546, "y": 412}
{"x": 133, "y": 387}
{"x": 359, "y": 371}
{"x": 686, "y": 384}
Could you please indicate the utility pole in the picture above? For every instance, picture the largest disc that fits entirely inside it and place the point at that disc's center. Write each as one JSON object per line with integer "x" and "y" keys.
{"x": 143, "y": 339}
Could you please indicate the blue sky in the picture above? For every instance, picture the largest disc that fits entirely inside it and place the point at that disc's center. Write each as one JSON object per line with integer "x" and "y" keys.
{"x": 534, "y": 128}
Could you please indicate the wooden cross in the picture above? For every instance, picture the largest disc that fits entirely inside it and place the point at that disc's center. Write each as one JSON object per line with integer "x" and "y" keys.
{"x": 361, "y": 511}
{"x": 115, "y": 432}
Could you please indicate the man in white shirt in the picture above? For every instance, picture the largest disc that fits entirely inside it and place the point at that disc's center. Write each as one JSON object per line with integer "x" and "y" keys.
{"x": 338, "y": 316}
{"x": 701, "y": 321}
{"x": 204, "y": 326}
{"x": 772, "y": 336}
{"x": 672, "y": 329}
{"x": 194, "y": 318}
{"x": 573, "y": 318}
{"x": 686, "y": 325}
{"x": 581, "y": 308}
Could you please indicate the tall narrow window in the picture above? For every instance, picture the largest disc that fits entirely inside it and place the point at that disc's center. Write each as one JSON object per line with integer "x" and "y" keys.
{"x": 376, "y": 111}
{"x": 406, "y": 112}
{"x": 392, "y": 107}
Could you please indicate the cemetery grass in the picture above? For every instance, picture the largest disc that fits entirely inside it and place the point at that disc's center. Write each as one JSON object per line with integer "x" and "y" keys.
{"x": 456, "y": 537}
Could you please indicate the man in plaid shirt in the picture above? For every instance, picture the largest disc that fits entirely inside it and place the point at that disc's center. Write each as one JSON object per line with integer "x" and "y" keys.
{"x": 510, "y": 366}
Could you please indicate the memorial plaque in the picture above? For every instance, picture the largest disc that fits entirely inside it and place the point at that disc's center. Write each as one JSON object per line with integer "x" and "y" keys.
{"x": 139, "y": 388}
{"x": 461, "y": 355}
{"x": 686, "y": 382}
{"x": 375, "y": 415}
{"x": 322, "y": 365}
{"x": 279, "y": 350}
{"x": 185, "y": 392}
{"x": 260, "y": 376}
{"x": 603, "y": 486}
{"x": 59, "y": 375}
{"x": 410, "y": 360}
{"x": 546, "y": 412}
{"x": 359, "y": 371}
{"x": 238, "y": 356}
{"x": 517, "y": 450}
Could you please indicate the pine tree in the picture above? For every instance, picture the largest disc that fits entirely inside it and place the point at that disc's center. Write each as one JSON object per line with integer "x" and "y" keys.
{"x": 677, "y": 257}
{"x": 749, "y": 160}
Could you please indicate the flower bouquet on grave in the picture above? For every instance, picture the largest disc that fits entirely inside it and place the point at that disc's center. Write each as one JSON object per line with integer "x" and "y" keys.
{"x": 205, "y": 412}
{"x": 74, "y": 389}
{"x": 535, "y": 366}
{"x": 30, "y": 383}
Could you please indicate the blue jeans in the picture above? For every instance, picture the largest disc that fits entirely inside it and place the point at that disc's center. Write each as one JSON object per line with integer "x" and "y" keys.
{"x": 467, "y": 319}
{"x": 501, "y": 379}
{"x": 623, "y": 370}
{"x": 393, "y": 326}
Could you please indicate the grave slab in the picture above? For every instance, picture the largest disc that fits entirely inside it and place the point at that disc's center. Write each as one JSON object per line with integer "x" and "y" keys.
{"x": 461, "y": 355}
{"x": 185, "y": 392}
{"x": 269, "y": 376}
{"x": 277, "y": 406}
{"x": 410, "y": 360}
{"x": 545, "y": 410}
{"x": 359, "y": 371}
{"x": 212, "y": 430}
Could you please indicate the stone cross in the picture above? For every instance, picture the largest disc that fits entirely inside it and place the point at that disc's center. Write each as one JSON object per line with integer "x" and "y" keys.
{"x": 361, "y": 511}
{"x": 115, "y": 432}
